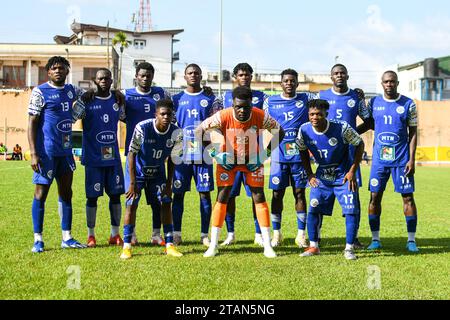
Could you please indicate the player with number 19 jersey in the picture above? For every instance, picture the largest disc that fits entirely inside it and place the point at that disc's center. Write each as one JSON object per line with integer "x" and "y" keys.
{"x": 391, "y": 142}
{"x": 140, "y": 106}
{"x": 286, "y": 168}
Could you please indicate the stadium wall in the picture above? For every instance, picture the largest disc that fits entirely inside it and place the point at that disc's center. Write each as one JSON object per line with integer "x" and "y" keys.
{"x": 433, "y": 140}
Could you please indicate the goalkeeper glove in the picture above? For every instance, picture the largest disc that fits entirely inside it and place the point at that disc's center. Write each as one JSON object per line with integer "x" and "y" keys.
{"x": 221, "y": 158}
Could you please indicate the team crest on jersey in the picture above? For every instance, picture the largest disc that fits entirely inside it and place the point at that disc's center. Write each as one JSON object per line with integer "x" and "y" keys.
{"x": 401, "y": 110}
{"x": 351, "y": 103}
{"x": 169, "y": 143}
{"x": 50, "y": 174}
{"x": 374, "y": 182}
{"x": 177, "y": 184}
{"x": 314, "y": 203}
{"x": 276, "y": 181}
{"x": 70, "y": 95}
{"x": 333, "y": 142}
{"x": 299, "y": 104}
{"x": 156, "y": 97}
{"x": 224, "y": 177}
{"x": 255, "y": 100}
{"x": 204, "y": 103}
{"x": 116, "y": 107}
{"x": 97, "y": 187}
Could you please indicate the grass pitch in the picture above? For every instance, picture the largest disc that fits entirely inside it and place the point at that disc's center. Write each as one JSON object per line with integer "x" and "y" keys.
{"x": 240, "y": 271}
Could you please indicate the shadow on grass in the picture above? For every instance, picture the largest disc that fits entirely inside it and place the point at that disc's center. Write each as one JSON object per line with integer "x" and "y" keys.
{"x": 391, "y": 246}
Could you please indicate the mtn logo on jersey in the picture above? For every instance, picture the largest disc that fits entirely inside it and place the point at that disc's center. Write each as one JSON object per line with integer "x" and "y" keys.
{"x": 156, "y": 97}
{"x": 314, "y": 203}
{"x": 401, "y": 110}
{"x": 255, "y": 100}
{"x": 389, "y": 138}
{"x": 351, "y": 103}
{"x": 106, "y": 137}
{"x": 204, "y": 103}
{"x": 65, "y": 126}
{"x": 116, "y": 107}
{"x": 333, "y": 142}
{"x": 299, "y": 104}
{"x": 70, "y": 95}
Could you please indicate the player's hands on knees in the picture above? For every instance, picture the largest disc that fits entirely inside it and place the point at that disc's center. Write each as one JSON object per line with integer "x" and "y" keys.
{"x": 351, "y": 179}
{"x": 313, "y": 181}
{"x": 410, "y": 168}
{"x": 132, "y": 193}
{"x": 35, "y": 160}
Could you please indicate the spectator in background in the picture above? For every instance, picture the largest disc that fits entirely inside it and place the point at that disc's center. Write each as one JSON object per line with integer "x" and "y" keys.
{"x": 17, "y": 153}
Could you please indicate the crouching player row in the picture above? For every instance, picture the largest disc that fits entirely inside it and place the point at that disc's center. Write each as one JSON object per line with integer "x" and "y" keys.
{"x": 240, "y": 127}
{"x": 154, "y": 141}
{"x": 328, "y": 141}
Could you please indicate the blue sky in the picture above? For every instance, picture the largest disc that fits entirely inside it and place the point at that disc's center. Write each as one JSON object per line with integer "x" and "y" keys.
{"x": 367, "y": 36}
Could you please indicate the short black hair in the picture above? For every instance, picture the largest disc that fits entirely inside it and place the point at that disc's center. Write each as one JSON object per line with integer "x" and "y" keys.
{"x": 391, "y": 72}
{"x": 104, "y": 69}
{"x": 192, "y": 65}
{"x": 165, "y": 103}
{"x": 243, "y": 67}
{"x": 57, "y": 60}
{"x": 242, "y": 93}
{"x": 291, "y": 72}
{"x": 319, "y": 104}
{"x": 339, "y": 65}
{"x": 145, "y": 66}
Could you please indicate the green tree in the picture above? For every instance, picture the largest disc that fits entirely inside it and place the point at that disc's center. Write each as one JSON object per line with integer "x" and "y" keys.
{"x": 120, "y": 39}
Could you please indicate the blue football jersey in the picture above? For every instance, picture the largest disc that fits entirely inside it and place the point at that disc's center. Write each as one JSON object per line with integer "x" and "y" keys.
{"x": 191, "y": 109}
{"x": 153, "y": 148}
{"x": 100, "y": 124}
{"x": 258, "y": 99}
{"x": 140, "y": 106}
{"x": 53, "y": 105}
{"x": 290, "y": 113}
{"x": 345, "y": 106}
{"x": 391, "y": 138}
{"x": 330, "y": 149}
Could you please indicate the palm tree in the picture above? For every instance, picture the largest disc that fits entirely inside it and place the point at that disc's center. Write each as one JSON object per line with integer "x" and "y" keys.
{"x": 121, "y": 39}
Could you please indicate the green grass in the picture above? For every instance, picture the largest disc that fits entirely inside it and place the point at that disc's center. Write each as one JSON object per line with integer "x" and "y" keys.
{"x": 240, "y": 271}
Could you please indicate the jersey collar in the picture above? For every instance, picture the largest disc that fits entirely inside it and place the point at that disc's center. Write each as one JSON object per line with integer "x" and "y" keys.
{"x": 194, "y": 94}
{"x": 394, "y": 100}
{"x": 144, "y": 93}
{"x": 105, "y": 98}
{"x": 159, "y": 132}
{"x": 55, "y": 87}
{"x": 322, "y": 133}
{"x": 340, "y": 94}
{"x": 288, "y": 99}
